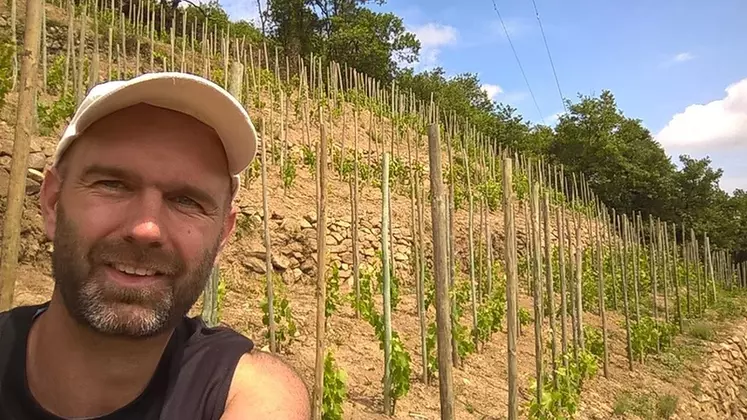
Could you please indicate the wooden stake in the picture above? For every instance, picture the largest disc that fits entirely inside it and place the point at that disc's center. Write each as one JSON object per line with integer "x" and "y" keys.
{"x": 443, "y": 311}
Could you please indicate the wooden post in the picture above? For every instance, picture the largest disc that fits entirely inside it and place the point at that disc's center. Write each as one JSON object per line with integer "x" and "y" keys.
{"x": 560, "y": 218}
{"x": 549, "y": 284}
{"x": 19, "y": 165}
{"x": 321, "y": 283}
{"x": 537, "y": 289}
{"x": 443, "y": 312}
{"x": 626, "y": 305}
{"x": 602, "y": 312}
{"x": 387, "y": 304}
{"x": 511, "y": 287}
{"x": 709, "y": 262}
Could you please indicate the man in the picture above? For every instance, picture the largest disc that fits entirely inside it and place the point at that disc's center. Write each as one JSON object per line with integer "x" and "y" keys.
{"x": 139, "y": 203}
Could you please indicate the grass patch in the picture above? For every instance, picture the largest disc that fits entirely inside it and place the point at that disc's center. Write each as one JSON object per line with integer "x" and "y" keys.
{"x": 666, "y": 406}
{"x": 702, "y": 331}
{"x": 646, "y": 406}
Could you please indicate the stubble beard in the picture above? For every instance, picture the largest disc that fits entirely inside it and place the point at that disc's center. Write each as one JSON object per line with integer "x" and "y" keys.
{"x": 135, "y": 312}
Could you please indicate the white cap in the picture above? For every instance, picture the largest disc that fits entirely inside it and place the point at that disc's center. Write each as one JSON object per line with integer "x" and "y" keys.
{"x": 181, "y": 92}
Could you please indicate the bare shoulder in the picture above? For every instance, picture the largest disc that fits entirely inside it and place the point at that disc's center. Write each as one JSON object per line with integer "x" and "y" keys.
{"x": 265, "y": 387}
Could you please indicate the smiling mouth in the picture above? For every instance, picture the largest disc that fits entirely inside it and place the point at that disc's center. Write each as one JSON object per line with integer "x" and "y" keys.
{"x": 135, "y": 271}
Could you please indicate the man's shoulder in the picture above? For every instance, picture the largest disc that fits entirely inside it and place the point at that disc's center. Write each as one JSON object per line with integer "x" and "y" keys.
{"x": 265, "y": 386}
{"x": 197, "y": 331}
{"x": 25, "y": 311}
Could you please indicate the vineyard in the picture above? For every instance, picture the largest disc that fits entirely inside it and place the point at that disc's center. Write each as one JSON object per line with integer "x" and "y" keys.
{"x": 404, "y": 263}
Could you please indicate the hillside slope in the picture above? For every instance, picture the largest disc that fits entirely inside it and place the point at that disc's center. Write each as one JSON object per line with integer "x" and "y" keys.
{"x": 480, "y": 383}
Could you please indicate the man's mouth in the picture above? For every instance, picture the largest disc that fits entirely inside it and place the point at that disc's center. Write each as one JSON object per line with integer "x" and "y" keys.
{"x": 135, "y": 271}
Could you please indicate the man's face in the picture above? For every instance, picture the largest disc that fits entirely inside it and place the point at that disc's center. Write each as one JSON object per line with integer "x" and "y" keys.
{"x": 138, "y": 211}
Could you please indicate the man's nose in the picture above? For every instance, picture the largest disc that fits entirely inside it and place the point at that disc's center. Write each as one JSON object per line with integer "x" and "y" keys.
{"x": 146, "y": 219}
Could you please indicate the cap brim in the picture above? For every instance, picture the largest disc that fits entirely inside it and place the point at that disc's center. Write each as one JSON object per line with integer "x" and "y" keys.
{"x": 188, "y": 94}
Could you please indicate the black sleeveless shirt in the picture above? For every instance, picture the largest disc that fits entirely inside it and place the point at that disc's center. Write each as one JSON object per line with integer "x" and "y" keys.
{"x": 191, "y": 381}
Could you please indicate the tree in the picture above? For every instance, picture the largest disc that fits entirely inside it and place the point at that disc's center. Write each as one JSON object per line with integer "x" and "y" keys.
{"x": 622, "y": 163}
{"x": 371, "y": 42}
{"x": 344, "y": 31}
{"x": 699, "y": 202}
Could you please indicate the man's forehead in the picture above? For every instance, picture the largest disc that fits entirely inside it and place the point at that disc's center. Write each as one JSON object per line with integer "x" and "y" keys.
{"x": 145, "y": 137}
{"x": 145, "y": 129}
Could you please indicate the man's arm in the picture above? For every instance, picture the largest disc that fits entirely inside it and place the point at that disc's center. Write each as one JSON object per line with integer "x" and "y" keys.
{"x": 264, "y": 387}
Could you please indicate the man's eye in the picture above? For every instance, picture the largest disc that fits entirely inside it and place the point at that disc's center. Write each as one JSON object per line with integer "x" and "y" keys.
{"x": 111, "y": 184}
{"x": 186, "y": 201}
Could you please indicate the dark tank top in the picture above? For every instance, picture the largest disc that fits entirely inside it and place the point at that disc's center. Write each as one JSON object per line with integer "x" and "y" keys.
{"x": 191, "y": 381}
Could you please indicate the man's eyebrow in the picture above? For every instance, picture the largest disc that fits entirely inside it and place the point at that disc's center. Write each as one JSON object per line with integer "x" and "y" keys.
{"x": 198, "y": 194}
{"x": 113, "y": 171}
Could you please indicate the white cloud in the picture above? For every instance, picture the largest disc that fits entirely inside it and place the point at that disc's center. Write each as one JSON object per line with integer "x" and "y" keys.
{"x": 720, "y": 123}
{"x": 683, "y": 56}
{"x": 731, "y": 183}
{"x": 433, "y": 37}
{"x": 491, "y": 90}
{"x": 553, "y": 119}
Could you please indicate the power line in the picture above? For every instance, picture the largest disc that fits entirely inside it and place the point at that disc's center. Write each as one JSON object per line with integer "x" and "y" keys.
{"x": 534, "y": 99}
{"x": 547, "y": 48}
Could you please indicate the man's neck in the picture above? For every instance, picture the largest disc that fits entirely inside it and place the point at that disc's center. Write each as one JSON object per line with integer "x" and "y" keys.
{"x": 73, "y": 371}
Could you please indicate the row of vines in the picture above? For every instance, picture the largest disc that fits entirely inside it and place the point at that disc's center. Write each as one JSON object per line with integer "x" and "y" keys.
{"x": 575, "y": 256}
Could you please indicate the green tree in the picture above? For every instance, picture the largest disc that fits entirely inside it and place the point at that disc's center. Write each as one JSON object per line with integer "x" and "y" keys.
{"x": 622, "y": 163}
{"x": 344, "y": 31}
{"x": 699, "y": 201}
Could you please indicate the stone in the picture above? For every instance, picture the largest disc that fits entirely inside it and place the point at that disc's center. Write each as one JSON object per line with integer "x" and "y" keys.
{"x": 280, "y": 262}
{"x": 337, "y": 249}
{"x": 276, "y": 216}
{"x": 310, "y": 217}
{"x": 49, "y": 150}
{"x": 297, "y": 274}
{"x": 305, "y": 224}
{"x": 308, "y": 266}
{"x": 37, "y": 161}
{"x": 402, "y": 249}
{"x": 295, "y": 246}
{"x": 330, "y": 240}
{"x": 343, "y": 224}
{"x": 35, "y": 175}
{"x": 338, "y": 238}
{"x": 293, "y": 262}
{"x": 32, "y": 186}
{"x": 256, "y": 265}
{"x": 398, "y": 256}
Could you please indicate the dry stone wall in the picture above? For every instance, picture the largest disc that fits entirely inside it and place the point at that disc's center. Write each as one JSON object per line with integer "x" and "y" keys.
{"x": 294, "y": 245}
{"x": 723, "y": 389}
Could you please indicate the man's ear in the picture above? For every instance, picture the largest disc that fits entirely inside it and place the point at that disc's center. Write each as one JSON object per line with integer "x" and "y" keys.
{"x": 49, "y": 197}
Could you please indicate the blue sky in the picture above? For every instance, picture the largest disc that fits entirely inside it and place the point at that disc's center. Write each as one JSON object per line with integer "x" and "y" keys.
{"x": 668, "y": 63}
